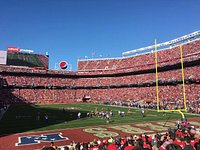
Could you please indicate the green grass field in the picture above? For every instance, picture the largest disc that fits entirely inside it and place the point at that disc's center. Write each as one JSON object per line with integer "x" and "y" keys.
{"x": 24, "y": 118}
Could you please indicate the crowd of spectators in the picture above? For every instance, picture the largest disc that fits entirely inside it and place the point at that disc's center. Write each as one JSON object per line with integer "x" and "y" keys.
{"x": 38, "y": 81}
{"x": 172, "y": 96}
{"x": 112, "y": 85}
{"x": 189, "y": 73}
{"x": 140, "y": 62}
{"x": 34, "y": 70}
{"x": 31, "y": 85}
{"x": 37, "y": 96}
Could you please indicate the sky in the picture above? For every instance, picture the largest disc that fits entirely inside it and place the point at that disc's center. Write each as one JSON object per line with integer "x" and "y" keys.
{"x": 68, "y": 29}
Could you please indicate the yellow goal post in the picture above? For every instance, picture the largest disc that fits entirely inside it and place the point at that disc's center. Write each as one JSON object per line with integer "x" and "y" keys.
{"x": 183, "y": 84}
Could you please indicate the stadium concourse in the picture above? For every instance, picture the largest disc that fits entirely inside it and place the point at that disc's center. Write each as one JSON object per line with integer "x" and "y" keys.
{"x": 129, "y": 78}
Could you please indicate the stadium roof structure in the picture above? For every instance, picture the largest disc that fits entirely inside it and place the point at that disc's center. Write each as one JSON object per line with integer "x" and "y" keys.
{"x": 169, "y": 44}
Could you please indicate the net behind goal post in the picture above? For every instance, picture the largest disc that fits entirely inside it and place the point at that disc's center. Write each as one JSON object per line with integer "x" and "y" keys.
{"x": 171, "y": 104}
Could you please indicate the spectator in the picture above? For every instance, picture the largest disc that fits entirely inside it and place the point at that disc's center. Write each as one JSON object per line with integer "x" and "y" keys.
{"x": 197, "y": 145}
{"x": 173, "y": 147}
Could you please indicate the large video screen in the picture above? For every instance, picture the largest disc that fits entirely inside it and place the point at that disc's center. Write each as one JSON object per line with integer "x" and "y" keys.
{"x": 28, "y": 60}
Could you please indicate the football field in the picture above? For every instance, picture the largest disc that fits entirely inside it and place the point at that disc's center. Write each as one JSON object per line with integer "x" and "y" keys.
{"x": 23, "y": 118}
{"x": 25, "y": 126}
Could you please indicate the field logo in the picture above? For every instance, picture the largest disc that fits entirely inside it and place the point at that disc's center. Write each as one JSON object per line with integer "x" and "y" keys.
{"x": 101, "y": 132}
{"x": 35, "y": 139}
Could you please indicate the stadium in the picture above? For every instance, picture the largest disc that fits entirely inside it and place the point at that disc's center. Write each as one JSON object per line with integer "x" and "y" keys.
{"x": 144, "y": 92}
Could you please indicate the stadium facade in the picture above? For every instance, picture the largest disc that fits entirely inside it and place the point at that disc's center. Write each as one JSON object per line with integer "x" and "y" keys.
{"x": 129, "y": 78}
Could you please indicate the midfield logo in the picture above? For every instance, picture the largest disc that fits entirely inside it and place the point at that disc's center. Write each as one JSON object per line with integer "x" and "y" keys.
{"x": 35, "y": 139}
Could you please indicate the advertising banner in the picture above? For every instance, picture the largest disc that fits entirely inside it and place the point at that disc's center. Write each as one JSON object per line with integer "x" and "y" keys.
{"x": 13, "y": 49}
{"x": 63, "y": 65}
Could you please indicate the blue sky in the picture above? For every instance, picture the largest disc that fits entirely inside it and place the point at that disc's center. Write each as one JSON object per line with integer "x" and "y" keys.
{"x": 71, "y": 28}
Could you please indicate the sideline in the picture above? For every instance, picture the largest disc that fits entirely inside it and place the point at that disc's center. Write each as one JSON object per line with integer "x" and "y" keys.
{"x": 148, "y": 109}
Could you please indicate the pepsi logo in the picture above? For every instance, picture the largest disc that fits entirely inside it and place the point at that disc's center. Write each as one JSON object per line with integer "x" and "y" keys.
{"x": 63, "y": 65}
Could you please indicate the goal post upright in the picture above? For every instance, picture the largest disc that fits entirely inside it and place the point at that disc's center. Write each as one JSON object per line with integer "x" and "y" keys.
{"x": 156, "y": 62}
{"x": 183, "y": 78}
{"x": 183, "y": 83}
